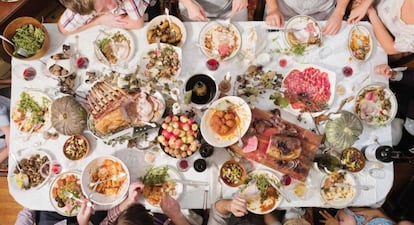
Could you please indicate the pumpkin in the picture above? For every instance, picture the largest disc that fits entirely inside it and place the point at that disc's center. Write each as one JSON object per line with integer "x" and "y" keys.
{"x": 343, "y": 132}
{"x": 68, "y": 116}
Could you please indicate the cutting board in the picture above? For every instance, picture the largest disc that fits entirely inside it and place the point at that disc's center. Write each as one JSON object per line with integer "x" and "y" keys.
{"x": 297, "y": 168}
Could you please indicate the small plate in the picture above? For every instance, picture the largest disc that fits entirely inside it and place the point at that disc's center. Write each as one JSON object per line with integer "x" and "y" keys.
{"x": 305, "y": 81}
{"x": 376, "y": 105}
{"x": 235, "y": 104}
{"x": 360, "y": 43}
{"x": 155, "y": 193}
{"x": 303, "y": 27}
{"x": 252, "y": 194}
{"x": 121, "y": 52}
{"x": 63, "y": 183}
{"x": 220, "y": 37}
{"x": 338, "y": 196}
{"x": 156, "y": 25}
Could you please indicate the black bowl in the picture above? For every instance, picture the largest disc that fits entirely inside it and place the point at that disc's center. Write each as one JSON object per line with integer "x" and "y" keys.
{"x": 203, "y": 87}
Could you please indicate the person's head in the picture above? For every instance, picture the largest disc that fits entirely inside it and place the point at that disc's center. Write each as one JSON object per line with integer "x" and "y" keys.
{"x": 135, "y": 215}
{"x": 86, "y": 7}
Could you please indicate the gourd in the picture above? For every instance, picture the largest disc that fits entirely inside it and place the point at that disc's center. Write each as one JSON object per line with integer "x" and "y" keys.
{"x": 344, "y": 131}
{"x": 68, "y": 116}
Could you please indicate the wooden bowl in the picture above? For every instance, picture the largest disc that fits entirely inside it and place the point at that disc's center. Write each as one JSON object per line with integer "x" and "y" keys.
{"x": 232, "y": 173}
{"x": 76, "y": 147}
{"x": 10, "y": 31}
{"x": 353, "y": 159}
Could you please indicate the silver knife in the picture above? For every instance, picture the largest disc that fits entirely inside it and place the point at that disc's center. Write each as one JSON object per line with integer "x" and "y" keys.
{"x": 283, "y": 30}
{"x": 129, "y": 132}
{"x": 190, "y": 182}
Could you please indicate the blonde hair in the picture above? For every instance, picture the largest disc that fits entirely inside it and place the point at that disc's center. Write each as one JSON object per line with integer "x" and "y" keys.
{"x": 82, "y": 7}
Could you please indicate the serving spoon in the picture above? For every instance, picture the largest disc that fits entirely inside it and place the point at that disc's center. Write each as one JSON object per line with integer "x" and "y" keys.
{"x": 20, "y": 51}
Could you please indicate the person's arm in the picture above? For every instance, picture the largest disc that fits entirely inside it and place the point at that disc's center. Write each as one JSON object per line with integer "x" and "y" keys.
{"x": 4, "y": 154}
{"x": 370, "y": 213}
{"x": 195, "y": 11}
{"x": 26, "y": 217}
{"x": 334, "y": 23}
{"x": 84, "y": 213}
{"x": 236, "y": 206}
{"x": 237, "y": 6}
{"x": 172, "y": 209}
{"x": 381, "y": 33}
{"x": 134, "y": 192}
{"x": 360, "y": 11}
{"x": 274, "y": 17}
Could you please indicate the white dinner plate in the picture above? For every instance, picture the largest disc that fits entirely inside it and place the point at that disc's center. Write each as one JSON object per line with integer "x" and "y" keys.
{"x": 254, "y": 202}
{"x": 242, "y": 110}
{"x": 125, "y": 52}
{"x": 301, "y": 24}
{"x": 360, "y": 41}
{"x": 59, "y": 188}
{"x": 157, "y": 21}
{"x": 338, "y": 189}
{"x": 219, "y": 39}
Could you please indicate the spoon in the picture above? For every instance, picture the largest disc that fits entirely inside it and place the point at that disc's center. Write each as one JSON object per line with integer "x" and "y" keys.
{"x": 172, "y": 31}
{"x": 20, "y": 51}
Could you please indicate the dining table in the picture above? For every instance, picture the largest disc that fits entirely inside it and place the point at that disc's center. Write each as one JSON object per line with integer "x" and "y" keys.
{"x": 333, "y": 55}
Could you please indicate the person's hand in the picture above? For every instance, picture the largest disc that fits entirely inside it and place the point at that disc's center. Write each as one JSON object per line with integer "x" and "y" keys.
{"x": 274, "y": 18}
{"x": 111, "y": 20}
{"x": 328, "y": 218}
{"x": 371, "y": 11}
{"x": 196, "y": 12}
{"x": 333, "y": 25}
{"x": 238, "y": 207}
{"x": 237, "y": 6}
{"x": 6, "y": 131}
{"x": 85, "y": 212}
{"x": 134, "y": 192}
{"x": 384, "y": 70}
{"x": 358, "y": 13}
{"x": 170, "y": 206}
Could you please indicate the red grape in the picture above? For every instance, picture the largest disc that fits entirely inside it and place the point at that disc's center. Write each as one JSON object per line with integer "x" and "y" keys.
{"x": 282, "y": 62}
{"x": 347, "y": 71}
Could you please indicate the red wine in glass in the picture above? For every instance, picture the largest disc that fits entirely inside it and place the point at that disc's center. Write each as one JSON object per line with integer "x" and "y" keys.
{"x": 213, "y": 64}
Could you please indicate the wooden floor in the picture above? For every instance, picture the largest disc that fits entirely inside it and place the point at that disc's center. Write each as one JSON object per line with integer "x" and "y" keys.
{"x": 8, "y": 207}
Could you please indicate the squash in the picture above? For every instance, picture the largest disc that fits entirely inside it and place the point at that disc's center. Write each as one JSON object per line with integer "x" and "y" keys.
{"x": 344, "y": 131}
{"x": 68, "y": 116}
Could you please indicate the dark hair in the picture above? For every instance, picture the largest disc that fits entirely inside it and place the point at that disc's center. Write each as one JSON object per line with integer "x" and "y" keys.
{"x": 135, "y": 215}
{"x": 82, "y": 7}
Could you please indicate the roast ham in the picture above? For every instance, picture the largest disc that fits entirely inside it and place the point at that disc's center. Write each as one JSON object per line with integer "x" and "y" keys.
{"x": 284, "y": 147}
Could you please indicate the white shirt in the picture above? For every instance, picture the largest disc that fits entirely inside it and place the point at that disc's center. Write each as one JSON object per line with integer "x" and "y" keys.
{"x": 390, "y": 13}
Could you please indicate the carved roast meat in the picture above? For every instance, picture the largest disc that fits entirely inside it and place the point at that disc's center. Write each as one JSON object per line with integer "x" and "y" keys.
{"x": 113, "y": 109}
{"x": 284, "y": 147}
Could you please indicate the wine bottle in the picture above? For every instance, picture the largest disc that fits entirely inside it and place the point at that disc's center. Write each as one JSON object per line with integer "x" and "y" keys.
{"x": 376, "y": 152}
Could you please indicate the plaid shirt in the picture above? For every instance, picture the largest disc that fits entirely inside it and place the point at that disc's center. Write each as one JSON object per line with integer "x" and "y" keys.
{"x": 134, "y": 8}
{"x": 114, "y": 212}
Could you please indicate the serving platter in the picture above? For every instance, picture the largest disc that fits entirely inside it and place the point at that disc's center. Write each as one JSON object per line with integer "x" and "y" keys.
{"x": 261, "y": 201}
{"x": 338, "y": 189}
{"x": 303, "y": 30}
{"x": 219, "y": 39}
{"x": 360, "y": 43}
{"x": 309, "y": 88}
{"x": 376, "y": 105}
{"x": 65, "y": 190}
{"x": 241, "y": 112}
{"x": 114, "y": 46}
{"x": 32, "y": 112}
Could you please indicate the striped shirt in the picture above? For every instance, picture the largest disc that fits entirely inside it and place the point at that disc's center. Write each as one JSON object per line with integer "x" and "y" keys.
{"x": 134, "y": 8}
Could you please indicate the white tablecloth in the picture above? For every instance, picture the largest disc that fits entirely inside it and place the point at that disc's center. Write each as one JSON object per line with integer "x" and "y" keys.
{"x": 194, "y": 62}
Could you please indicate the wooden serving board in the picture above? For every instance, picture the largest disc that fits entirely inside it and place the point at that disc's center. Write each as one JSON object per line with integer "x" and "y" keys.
{"x": 297, "y": 168}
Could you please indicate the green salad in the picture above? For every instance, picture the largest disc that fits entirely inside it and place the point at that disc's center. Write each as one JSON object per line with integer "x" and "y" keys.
{"x": 155, "y": 175}
{"x": 29, "y": 38}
